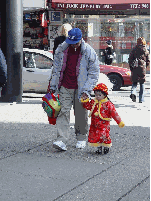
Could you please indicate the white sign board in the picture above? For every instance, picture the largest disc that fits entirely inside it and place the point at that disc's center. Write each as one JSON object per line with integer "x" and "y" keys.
{"x": 90, "y": 29}
{"x": 34, "y": 3}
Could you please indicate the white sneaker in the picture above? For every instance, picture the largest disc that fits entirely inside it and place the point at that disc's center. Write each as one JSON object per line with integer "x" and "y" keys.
{"x": 59, "y": 145}
{"x": 81, "y": 144}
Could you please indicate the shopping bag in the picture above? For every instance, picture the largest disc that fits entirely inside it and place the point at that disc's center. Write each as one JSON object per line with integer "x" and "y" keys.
{"x": 51, "y": 106}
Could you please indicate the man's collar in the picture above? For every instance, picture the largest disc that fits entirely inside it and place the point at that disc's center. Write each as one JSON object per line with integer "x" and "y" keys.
{"x": 65, "y": 45}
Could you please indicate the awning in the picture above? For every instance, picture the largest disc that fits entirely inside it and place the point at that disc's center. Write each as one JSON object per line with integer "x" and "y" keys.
{"x": 100, "y": 2}
{"x": 100, "y": 5}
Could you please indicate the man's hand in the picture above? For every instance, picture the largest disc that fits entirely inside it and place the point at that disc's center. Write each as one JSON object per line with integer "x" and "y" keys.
{"x": 84, "y": 96}
{"x": 50, "y": 91}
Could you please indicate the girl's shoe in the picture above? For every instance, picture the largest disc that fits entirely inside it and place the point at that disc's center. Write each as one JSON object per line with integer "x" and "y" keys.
{"x": 106, "y": 150}
{"x": 99, "y": 151}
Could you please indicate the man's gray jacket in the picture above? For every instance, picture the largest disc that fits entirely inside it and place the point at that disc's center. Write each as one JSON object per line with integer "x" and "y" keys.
{"x": 87, "y": 69}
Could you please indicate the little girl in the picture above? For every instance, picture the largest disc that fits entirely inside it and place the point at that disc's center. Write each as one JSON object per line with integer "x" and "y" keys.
{"x": 101, "y": 112}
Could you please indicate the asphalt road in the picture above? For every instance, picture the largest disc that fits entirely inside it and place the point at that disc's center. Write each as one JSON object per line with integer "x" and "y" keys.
{"x": 32, "y": 170}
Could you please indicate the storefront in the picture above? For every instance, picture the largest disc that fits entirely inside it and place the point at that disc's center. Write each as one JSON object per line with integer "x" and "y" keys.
{"x": 122, "y": 23}
{"x": 35, "y": 29}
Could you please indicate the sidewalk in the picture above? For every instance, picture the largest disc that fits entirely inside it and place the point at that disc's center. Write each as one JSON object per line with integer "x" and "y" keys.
{"x": 30, "y": 169}
{"x": 32, "y": 112}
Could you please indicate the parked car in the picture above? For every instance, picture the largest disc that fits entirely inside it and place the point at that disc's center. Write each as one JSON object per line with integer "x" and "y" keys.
{"x": 120, "y": 77}
{"x": 37, "y": 70}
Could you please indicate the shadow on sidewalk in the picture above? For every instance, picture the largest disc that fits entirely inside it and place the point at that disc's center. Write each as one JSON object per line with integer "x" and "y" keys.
{"x": 31, "y": 137}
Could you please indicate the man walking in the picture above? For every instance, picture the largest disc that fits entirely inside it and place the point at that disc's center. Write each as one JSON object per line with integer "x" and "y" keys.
{"x": 108, "y": 53}
{"x": 139, "y": 60}
{"x": 75, "y": 73}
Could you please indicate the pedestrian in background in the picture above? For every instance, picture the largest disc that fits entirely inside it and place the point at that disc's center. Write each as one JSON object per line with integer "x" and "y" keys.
{"x": 60, "y": 39}
{"x": 63, "y": 34}
{"x": 138, "y": 61}
{"x": 108, "y": 53}
{"x": 75, "y": 73}
{"x": 3, "y": 73}
{"x": 101, "y": 112}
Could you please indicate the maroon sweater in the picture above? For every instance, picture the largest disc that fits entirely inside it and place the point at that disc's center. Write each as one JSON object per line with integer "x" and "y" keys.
{"x": 69, "y": 77}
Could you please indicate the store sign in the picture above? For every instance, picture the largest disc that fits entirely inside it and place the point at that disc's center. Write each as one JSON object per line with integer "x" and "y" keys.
{"x": 90, "y": 29}
{"x": 100, "y": 6}
{"x": 27, "y": 17}
{"x": 55, "y": 16}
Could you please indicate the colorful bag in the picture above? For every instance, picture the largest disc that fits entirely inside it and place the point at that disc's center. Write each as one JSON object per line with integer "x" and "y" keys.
{"x": 51, "y": 106}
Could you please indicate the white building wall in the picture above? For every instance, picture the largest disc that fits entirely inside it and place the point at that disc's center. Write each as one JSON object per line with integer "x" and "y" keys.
{"x": 34, "y": 3}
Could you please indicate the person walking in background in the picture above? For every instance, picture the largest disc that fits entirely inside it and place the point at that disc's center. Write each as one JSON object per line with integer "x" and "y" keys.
{"x": 60, "y": 39}
{"x": 3, "y": 73}
{"x": 138, "y": 61}
{"x": 101, "y": 112}
{"x": 108, "y": 53}
{"x": 63, "y": 34}
{"x": 75, "y": 73}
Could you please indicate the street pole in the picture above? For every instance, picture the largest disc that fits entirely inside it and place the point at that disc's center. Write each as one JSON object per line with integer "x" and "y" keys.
{"x": 3, "y": 27}
{"x": 14, "y": 50}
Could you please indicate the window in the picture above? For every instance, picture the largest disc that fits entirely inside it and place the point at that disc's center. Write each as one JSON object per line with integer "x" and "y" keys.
{"x": 123, "y": 31}
{"x": 42, "y": 62}
{"x": 129, "y": 29}
{"x": 108, "y": 28}
{"x": 29, "y": 61}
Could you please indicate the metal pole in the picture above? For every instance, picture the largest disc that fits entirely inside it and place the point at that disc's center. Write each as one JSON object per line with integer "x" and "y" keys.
{"x": 3, "y": 27}
{"x": 14, "y": 50}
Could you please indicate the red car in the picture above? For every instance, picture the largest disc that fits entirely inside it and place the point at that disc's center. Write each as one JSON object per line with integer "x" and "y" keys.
{"x": 119, "y": 76}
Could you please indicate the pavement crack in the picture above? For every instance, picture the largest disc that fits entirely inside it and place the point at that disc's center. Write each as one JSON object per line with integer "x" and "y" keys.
{"x": 25, "y": 151}
{"x": 88, "y": 180}
{"x": 134, "y": 187}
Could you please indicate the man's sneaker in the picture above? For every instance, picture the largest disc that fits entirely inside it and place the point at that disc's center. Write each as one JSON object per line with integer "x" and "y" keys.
{"x": 99, "y": 151}
{"x": 81, "y": 144}
{"x": 59, "y": 145}
{"x": 106, "y": 150}
{"x": 133, "y": 97}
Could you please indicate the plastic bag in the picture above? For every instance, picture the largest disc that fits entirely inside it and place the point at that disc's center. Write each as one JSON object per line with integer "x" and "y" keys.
{"x": 51, "y": 106}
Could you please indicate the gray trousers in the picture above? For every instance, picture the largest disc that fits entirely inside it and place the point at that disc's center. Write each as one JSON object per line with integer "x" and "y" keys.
{"x": 69, "y": 97}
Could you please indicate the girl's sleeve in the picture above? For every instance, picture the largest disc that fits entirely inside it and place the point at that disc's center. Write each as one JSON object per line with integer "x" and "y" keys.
{"x": 116, "y": 116}
{"x": 87, "y": 104}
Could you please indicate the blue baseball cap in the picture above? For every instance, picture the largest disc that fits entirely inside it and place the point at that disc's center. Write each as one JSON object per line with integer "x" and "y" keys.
{"x": 74, "y": 36}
